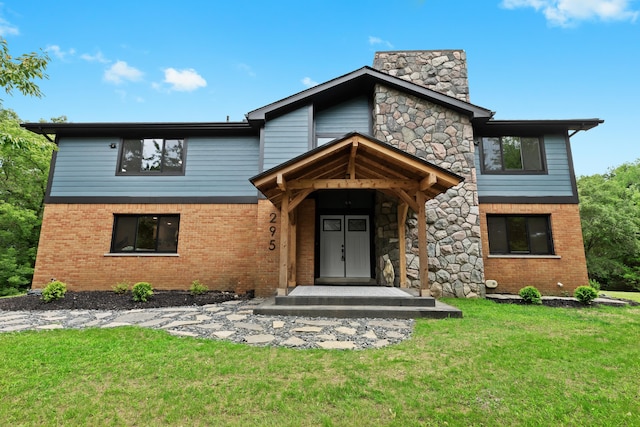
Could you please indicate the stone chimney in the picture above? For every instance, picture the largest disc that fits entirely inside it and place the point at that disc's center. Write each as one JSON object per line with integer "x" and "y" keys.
{"x": 444, "y": 137}
{"x": 444, "y": 71}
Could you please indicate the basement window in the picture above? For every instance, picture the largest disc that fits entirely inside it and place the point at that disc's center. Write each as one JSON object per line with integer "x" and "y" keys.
{"x": 145, "y": 233}
{"x": 519, "y": 235}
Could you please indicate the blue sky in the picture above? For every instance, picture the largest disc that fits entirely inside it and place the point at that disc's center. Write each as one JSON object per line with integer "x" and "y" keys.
{"x": 139, "y": 61}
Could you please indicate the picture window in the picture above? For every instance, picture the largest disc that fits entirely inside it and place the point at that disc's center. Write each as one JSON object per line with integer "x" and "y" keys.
{"x": 145, "y": 233}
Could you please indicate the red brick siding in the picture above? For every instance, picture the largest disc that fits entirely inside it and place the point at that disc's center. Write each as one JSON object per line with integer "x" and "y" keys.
{"x": 512, "y": 274}
{"x": 226, "y": 247}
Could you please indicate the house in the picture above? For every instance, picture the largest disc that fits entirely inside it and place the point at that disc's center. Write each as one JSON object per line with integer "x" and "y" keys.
{"x": 390, "y": 162}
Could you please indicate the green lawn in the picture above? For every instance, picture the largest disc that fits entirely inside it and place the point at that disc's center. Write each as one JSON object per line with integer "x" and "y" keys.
{"x": 500, "y": 365}
{"x": 634, "y": 296}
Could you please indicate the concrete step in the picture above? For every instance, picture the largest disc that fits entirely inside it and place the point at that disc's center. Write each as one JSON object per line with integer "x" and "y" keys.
{"x": 351, "y": 300}
{"x": 438, "y": 311}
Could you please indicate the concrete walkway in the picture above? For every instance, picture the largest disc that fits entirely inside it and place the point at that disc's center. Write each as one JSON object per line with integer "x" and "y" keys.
{"x": 233, "y": 321}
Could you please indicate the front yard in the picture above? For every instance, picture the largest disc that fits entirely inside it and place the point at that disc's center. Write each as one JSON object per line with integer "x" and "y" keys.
{"x": 499, "y": 365}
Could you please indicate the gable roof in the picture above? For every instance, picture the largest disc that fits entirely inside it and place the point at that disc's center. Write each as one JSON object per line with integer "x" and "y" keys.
{"x": 358, "y": 82}
{"x": 356, "y": 161}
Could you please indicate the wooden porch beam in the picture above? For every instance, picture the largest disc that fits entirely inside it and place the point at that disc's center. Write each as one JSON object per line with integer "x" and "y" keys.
{"x": 298, "y": 198}
{"x": 292, "y": 270}
{"x": 280, "y": 182}
{"x": 407, "y": 199}
{"x": 428, "y": 182}
{"x": 351, "y": 169}
{"x": 402, "y": 251}
{"x": 318, "y": 184}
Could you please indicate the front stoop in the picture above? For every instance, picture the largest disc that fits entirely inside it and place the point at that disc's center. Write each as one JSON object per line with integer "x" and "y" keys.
{"x": 355, "y": 302}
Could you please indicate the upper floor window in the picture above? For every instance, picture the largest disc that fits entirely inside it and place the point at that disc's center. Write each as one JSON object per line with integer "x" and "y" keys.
{"x": 519, "y": 235}
{"x": 145, "y": 233}
{"x": 509, "y": 154}
{"x": 152, "y": 156}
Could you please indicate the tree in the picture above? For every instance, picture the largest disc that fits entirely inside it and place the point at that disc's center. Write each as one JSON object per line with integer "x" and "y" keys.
{"x": 610, "y": 215}
{"x": 24, "y": 168}
{"x": 20, "y": 73}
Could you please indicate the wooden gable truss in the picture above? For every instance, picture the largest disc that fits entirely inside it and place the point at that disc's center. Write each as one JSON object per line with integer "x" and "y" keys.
{"x": 360, "y": 162}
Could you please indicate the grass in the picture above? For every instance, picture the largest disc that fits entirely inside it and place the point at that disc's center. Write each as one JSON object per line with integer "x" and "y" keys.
{"x": 500, "y": 365}
{"x": 634, "y": 296}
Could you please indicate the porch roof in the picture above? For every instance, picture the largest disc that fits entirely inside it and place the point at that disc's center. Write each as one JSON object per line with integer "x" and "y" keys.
{"x": 355, "y": 161}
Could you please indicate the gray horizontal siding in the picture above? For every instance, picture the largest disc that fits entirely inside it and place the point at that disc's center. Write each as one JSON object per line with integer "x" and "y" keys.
{"x": 349, "y": 116}
{"x": 215, "y": 167}
{"x": 557, "y": 183}
{"x": 286, "y": 137}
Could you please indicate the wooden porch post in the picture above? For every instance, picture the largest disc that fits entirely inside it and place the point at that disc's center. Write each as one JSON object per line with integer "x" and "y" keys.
{"x": 284, "y": 244}
{"x": 422, "y": 243}
{"x": 293, "y": 220}
{"x": 402, "y": 219}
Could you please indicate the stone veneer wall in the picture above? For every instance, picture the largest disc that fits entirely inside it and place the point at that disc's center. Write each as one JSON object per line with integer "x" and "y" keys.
{"x": 444, "y": 138}
{"x": 444, "y": 71}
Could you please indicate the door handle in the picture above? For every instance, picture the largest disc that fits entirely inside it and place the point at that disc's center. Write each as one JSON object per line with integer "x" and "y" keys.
{"x": 343, "y": 252}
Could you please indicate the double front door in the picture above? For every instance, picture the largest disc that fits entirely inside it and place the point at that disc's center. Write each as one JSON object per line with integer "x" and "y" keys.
{"x": 345, "y": 246}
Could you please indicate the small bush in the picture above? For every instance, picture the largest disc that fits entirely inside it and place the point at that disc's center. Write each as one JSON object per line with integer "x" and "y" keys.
{"x": 121, "y": 288}
{"x": 141, "y": 291}
{"x": 198, "y": 288}
{"x": 53, "y": 291}
{"x": 530, "y": 295}
{"x": 594, "y": 284}
{"x": 585, "y": 294}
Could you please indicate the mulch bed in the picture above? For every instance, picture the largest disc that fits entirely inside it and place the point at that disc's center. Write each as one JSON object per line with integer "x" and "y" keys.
{"x": 107, "y": 300}
{"x": 564, "y": 303}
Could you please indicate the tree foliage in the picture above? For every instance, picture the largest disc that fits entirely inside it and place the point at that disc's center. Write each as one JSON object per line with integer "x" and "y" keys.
{"x": 24, "y": 168}
{"x": 19, "y": 73}
{"x": 610, "y": 214}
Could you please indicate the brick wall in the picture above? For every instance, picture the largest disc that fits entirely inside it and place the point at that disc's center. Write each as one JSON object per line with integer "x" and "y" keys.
{"x": 569, "y": 268}
{"x": 226, "y": 247}
{"x": 305, "y": 242}
{"x": 211, "y": 248}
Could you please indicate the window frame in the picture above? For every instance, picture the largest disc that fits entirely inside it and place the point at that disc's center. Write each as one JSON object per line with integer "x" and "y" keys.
{"x": 503, "y": 171}
{"x": 509, "y": 241}
{"x": 181, "y": 172}
{"x": 159, "y": 218}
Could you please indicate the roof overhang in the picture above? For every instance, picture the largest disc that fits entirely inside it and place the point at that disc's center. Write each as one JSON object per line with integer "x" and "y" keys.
{"x": 520, "y": 127}
{"x": 355, "y": 161}
{"x": 142, "y": 130}
{"x": 361, "y": 81}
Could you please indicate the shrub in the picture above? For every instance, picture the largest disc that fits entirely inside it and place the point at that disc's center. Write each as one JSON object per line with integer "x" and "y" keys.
{"x": 121, "y": 288}
{"x": 53, "y": 291}
{"x": 141, "y": 291}
{"x": 594, "y": 284}
{"x": 585, "y": 294}
{"x": 530, "y": 295}
{"x": 198, "y": 288}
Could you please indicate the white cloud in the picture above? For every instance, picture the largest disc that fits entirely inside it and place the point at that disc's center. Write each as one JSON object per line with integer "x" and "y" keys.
{"x": 373, "y": 41}
{"x": 309, "y": 82}
{"x": 566, "y": 13}
{"x": 120, "y": 72}
{"x": 98, "y": 57}
{"x": 7, "y": 28}
{"x": 186, "y": 80}
{"x": 55, "y": 50}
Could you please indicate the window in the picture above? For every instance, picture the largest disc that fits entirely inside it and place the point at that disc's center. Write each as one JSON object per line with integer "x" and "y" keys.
{"x": 519, "y": 235}
{"x": 152, "y": 156}
{"x": 145, "y": 233}
{"x": 512, "y": 154}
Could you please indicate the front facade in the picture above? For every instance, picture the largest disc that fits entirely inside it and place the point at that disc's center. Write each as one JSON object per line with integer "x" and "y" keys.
{"x": 384, "y": 176}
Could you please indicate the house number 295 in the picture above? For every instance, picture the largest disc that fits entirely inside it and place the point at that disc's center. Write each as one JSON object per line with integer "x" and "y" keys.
{"x": 272, "y": 230}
